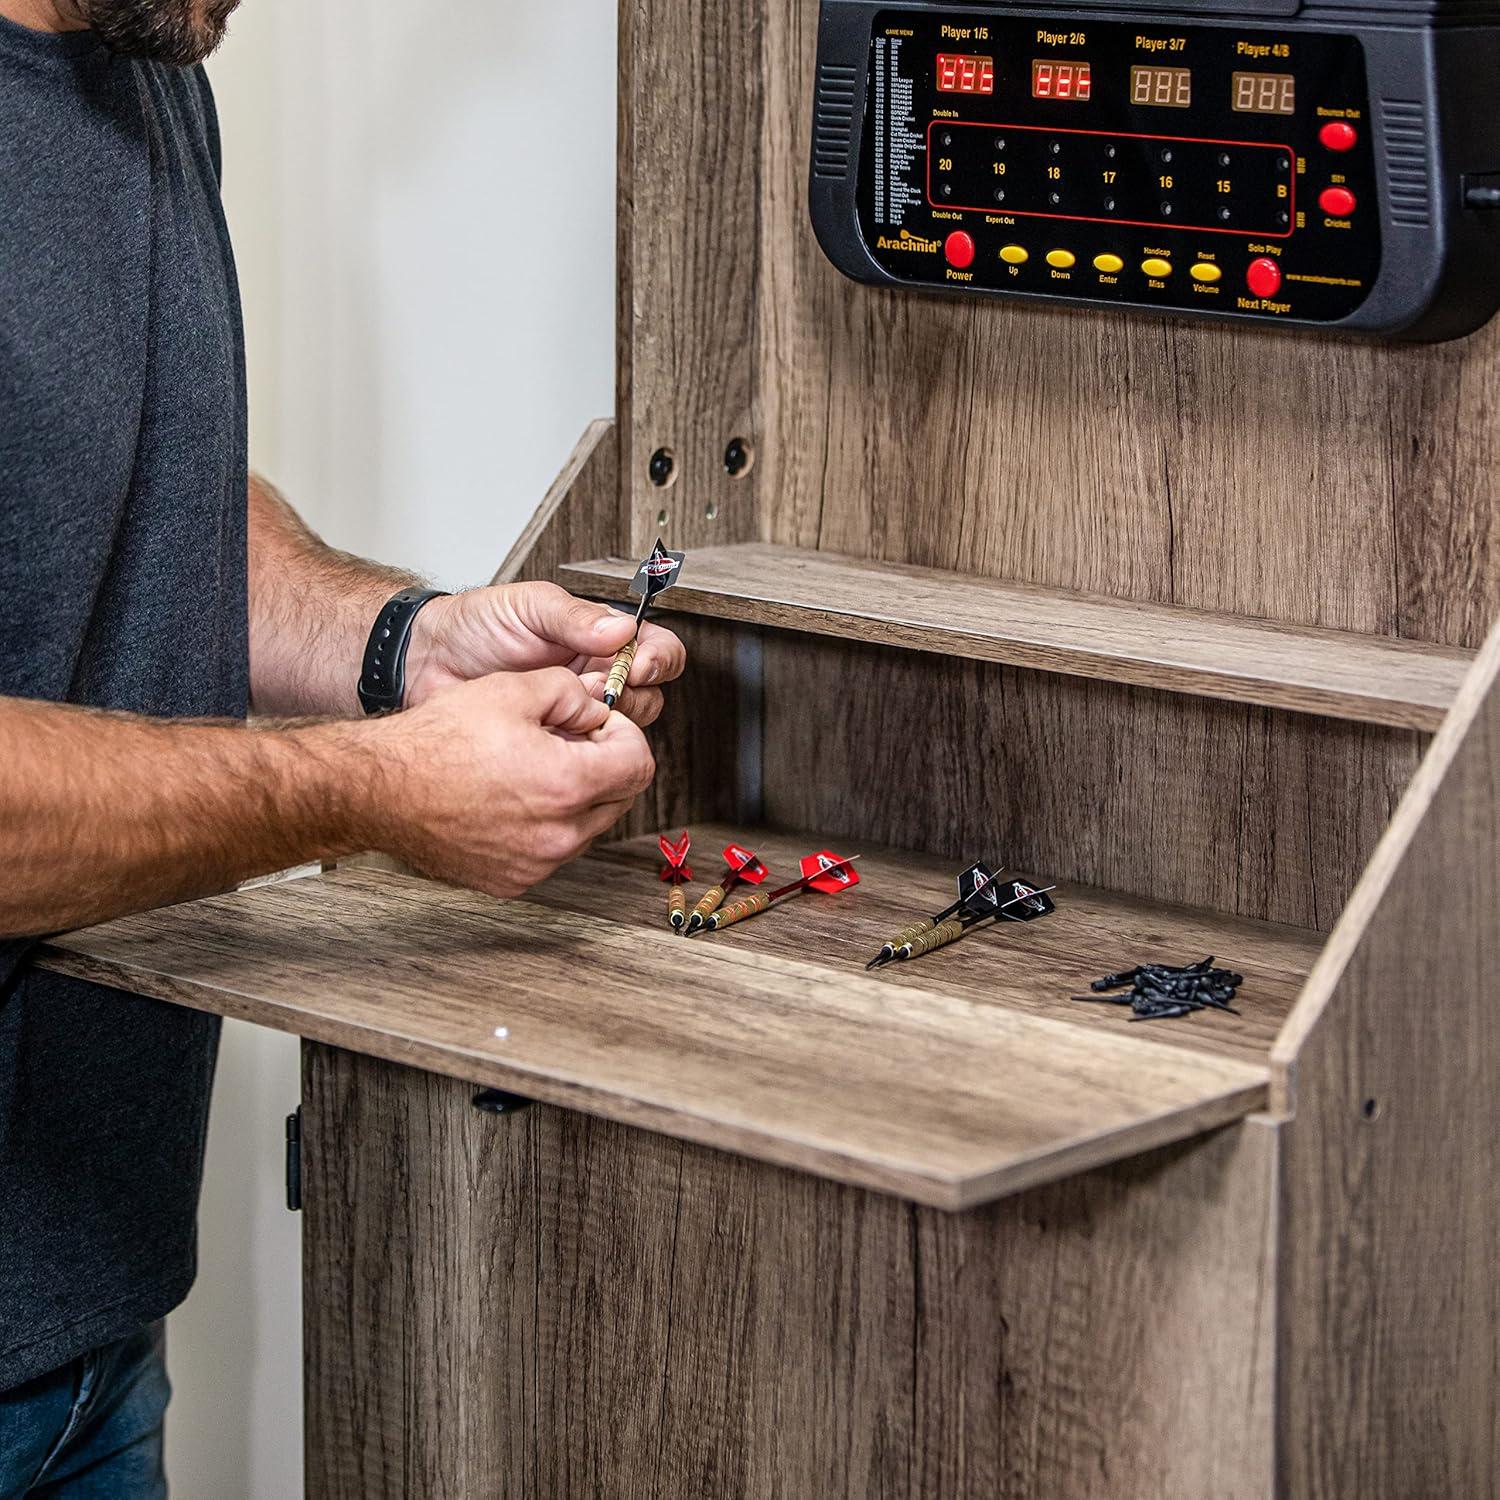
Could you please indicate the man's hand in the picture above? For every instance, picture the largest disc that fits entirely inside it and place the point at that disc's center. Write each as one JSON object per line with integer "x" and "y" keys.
{"x": 492, "y": 784}
{"x": 520, "y": 627}
{"x": 498, "y": 781}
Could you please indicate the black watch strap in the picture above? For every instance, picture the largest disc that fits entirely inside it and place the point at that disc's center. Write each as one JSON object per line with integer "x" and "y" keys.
{"x": 382, "y": 679}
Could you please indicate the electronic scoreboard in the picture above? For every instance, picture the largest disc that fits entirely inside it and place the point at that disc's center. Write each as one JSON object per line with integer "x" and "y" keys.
{"x": 1333, "y": 166}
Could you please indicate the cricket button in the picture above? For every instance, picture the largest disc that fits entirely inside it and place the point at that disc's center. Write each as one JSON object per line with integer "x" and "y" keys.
{"x": 959, "y": 248}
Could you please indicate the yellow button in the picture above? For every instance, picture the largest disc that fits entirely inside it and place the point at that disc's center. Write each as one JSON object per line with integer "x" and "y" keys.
{"x": 1205, "y": 271}
{"x": 1062, "y": 259}
{"x": 1014, "y": 255}
{"x": 1155, "y": 266}
{"x": 1109, "y": 264}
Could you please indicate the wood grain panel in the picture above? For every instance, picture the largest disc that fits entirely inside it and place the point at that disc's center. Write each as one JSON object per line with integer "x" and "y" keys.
{"x": 1390, "y": 1326}
{"x": 1265, "y": 814}
{"x": 1368, "y": 678}
{"x": 888, "y": 1083}
{"x": 693, "y": 158}
{"x": 417, "y": 1208}
{"x": 667, "y": 1320}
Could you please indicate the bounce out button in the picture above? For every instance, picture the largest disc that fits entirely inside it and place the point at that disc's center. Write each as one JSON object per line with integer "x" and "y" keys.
{"x": 959, "y": 248}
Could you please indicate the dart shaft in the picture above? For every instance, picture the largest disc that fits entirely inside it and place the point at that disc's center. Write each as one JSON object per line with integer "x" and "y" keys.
{"x": 936, "y": 937}
{"x": 746, "y": 906}
{"x": 619, "y": 672}
{"x": 710, "y": 901}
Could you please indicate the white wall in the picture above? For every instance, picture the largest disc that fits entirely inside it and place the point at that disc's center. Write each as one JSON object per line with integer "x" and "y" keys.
{"x": 422, "y": 202}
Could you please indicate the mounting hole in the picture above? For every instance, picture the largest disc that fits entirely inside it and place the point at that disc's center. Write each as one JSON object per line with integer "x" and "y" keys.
{"x": 739, "y": 458}
{"x": 1370, "y": 1109}
{"x": 661, "y": 520}
{"x": 711, "y": 511}
{"x": 662, "y": 469}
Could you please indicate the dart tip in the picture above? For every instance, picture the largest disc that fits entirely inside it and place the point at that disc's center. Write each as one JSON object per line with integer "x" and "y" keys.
{"x": 695, "y": 921}
{"x": 885, "y": 955}
{"x": 609, "y": 700}
{"x": 677, "y": 919}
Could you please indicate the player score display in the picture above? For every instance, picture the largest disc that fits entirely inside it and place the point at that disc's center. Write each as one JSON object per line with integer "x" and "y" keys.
{"x": 1171, "y": 88}
{"x": 965, "y": 73}
{"x": 1055, "y": 79}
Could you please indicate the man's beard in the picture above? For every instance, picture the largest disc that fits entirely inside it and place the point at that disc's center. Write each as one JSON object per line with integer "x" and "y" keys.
{"x": 181, "y": 32}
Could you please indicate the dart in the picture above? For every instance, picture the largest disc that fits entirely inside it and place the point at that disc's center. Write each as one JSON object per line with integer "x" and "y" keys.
{"x": 740, "y": 863}
{"x": 824, "y": 871}
{"x": 1026, "y": 904}
{"x": 654, "y": 576}
{"x": 970, "y": 883}
{"x": 676, "y": 871}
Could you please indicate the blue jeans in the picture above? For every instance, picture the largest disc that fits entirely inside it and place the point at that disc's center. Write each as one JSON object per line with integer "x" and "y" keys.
{"x": 91, "y": 1430}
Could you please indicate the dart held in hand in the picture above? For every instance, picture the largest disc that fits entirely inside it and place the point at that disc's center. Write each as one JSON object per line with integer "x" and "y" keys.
{"x": 824, "y": 871}
{"x": 677, "y": 873}
{"x": 740, "y": 864}
{"x": 656, "y": 574}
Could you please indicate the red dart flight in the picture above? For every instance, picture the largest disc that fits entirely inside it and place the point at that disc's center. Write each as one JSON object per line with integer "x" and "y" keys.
{"x": 824, "y": 871}
{"x": 740, "y": 863}
{"x": 676, "y": 871}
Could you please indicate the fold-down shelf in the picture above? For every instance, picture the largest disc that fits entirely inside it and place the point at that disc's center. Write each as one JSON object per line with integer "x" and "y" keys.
{"x": 1339, "y": 674}
{"x": 950, "y": 1080}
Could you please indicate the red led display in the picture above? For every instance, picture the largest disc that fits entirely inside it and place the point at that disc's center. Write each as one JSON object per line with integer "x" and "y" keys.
{"x": 1051, "y": 79}
{"x": 963, "y": 73}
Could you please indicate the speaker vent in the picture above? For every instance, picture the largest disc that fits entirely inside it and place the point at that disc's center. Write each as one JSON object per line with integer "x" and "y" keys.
{"x": 833, "y": 121}
{"x": 1404, "y": 129}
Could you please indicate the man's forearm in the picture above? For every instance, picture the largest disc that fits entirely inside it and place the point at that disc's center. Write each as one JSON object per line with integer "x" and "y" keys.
{"x": 105, "y": 813}
{"x": 311, "y": 608}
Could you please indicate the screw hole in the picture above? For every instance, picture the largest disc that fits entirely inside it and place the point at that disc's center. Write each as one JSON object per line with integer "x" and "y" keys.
{"x": 711, "y": 511}
{"x": 662, "y": 469}
{"x": 739, "y": 457}
{"x": 661, "y": 520}
{"x": 1370, "y": 1109}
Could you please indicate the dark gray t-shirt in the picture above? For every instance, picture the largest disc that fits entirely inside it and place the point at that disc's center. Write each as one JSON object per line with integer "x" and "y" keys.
{"x": 122, "y": 584}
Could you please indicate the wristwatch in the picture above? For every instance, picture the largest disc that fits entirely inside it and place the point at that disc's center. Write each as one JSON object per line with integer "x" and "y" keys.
{"x": 382, "y": 679}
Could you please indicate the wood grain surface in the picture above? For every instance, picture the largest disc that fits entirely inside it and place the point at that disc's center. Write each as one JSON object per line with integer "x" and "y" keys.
{"x": 1369, "y": 678}
{"x": 1390, "y": 1308}
{"x": 950, "y": 1080}
{"x": 545, "y": 1304}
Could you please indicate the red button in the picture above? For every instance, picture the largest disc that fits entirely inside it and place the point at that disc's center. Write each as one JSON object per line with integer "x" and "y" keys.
{"x": 959, "y": 248}
{"x": 1263, "y": 277}
{"x": 1336, "y": 202}
{"x": 1338, "y": 135}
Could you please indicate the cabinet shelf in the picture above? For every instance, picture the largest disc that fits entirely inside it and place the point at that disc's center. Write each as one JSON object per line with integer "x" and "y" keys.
{"x": 1338, "y": 674}
{"x": 950, "y": 1080}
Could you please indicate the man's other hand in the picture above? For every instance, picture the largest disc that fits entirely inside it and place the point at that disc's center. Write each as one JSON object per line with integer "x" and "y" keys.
{"x": 521, "y": 627}
{"x": 494, "y": 783}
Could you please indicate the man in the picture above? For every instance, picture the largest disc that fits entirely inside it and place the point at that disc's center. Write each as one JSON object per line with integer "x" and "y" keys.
{"x": 140, "y": 591}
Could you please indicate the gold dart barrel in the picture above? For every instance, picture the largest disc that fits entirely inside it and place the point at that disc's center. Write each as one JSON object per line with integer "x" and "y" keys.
{"x": 708, "y": 902}
{"x": 737, "y": 911}
{"x": 929, "y": 941}
{"x": 677, "y": 907}
{"x": 619, "y": 672}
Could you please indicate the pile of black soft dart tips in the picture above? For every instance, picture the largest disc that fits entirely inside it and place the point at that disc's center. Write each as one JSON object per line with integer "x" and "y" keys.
{"x": 1160, "y": 992}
